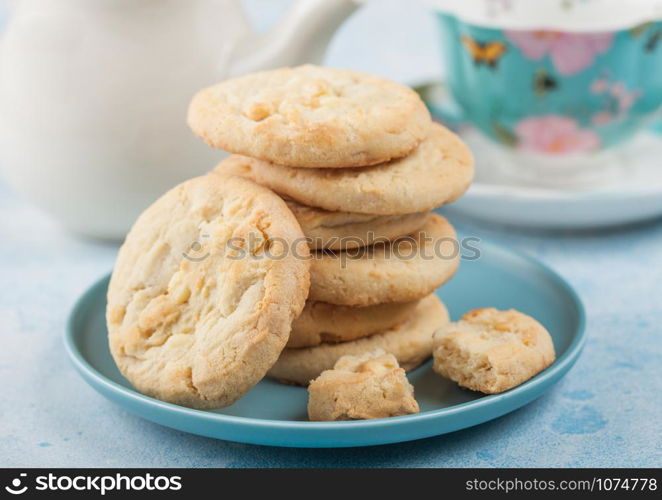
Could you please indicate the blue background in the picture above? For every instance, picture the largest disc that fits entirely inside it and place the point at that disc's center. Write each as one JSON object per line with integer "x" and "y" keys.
{"x": 607, "y": 412}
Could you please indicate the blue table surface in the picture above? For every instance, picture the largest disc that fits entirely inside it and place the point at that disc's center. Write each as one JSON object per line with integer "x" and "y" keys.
{"x": 605, "y": 413}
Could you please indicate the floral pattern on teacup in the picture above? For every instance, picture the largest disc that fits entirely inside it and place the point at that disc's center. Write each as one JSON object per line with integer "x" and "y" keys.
{"x": 569, "y": 52}
{"x": 554, "y": 92}
{"x": 618, "y": 100}
{"x": 554, "y": 134}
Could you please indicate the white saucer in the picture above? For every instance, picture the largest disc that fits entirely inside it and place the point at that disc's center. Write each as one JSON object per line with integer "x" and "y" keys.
{"x": 635, "y": 195}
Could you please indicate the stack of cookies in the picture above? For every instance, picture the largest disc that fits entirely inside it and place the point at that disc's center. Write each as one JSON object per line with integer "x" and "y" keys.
{"x": 360, "y": 165}
{"x": 310, "y": 255}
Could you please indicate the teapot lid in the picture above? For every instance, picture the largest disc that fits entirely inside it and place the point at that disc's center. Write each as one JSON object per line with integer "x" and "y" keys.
{"x": 558, "y": 15}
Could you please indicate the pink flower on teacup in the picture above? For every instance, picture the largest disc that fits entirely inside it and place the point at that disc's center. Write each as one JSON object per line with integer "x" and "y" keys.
{"x": 624, "y": 97}
{"x": 554, "y": 134}
{"x": 602, "y": 118}
{"x": 570, "y": 52}
{"x": 599, "y": 86}
{"x": 618, "y": 98}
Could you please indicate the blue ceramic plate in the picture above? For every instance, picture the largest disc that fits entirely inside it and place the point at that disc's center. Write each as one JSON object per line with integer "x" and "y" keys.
{"x": 275, "y": 414}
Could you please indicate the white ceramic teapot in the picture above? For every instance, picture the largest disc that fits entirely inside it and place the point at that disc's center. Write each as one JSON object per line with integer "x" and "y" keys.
{"x": 93, "y": 95}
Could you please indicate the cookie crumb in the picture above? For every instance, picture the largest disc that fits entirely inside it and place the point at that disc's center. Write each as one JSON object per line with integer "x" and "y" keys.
{"x": 368, "y": 386}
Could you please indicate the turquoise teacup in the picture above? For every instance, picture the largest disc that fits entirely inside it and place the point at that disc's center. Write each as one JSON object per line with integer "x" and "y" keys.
{"x": 554, "y": 97}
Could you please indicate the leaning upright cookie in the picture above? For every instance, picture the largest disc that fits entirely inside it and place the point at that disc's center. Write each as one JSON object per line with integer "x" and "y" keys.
{"x": 204, "y": 291}
{"x": 371, "y": 385}
{"x": 310, "y": 116}
{"x": 492, "y": 351}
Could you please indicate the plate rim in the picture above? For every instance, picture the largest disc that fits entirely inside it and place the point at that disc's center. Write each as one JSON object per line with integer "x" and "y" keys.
{"x": 550, "y": 375}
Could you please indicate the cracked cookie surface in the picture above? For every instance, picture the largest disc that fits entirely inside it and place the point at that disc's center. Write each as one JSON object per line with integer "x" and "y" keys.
{"x": 311, "y": 116}
{"x": 202, "y": 296}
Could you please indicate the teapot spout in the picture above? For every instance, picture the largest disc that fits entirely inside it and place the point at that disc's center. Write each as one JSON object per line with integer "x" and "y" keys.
{"x": 301, "y": 37}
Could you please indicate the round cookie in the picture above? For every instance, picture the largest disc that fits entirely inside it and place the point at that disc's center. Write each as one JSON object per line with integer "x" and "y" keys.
{"x": 439, "y": 171}
{"x": 335, "y": 230}
{"x": 404, "y": 270}
{"x": 191, "y": 319}
{"x": 410, "y": 342}
{"x": 492, "y": 351}
{"x": 346, "y": 230}
{"x": 311, "y": 116}
{"x": 321, "y": 322}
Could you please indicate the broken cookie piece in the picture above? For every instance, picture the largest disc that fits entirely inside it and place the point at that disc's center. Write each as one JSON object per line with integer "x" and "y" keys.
{"x": 368, "y": 386}
{"x": 492, "y": 351}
